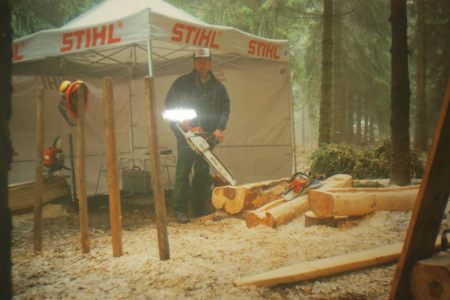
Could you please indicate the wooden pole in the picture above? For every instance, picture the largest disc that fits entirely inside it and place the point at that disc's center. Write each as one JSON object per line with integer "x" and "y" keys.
{"x": 39, "y": 179}
{"x": 429, "y": 210}
{"x": 155, "y": 166}
{"x": 81, "y": 171}
{"x": 112, "y": 169}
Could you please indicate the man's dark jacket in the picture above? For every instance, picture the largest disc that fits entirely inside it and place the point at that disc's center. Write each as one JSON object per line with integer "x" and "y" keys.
{"x": 210, "y": 101}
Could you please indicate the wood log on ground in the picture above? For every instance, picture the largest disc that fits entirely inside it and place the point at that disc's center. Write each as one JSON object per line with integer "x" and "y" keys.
{"x": 326, "y": 266}
{"x": 361, "y": 201}
{"x": 284, "y": 213}
{"x": 21, "y": 195}
{"x": 257, "y": 216}
{"x": 311, "y": 219}
{"x": 234, "y": 199}
{"x": 430, "y": 278}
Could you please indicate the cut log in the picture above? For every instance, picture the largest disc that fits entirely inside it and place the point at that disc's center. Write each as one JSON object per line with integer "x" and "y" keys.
{"x": 256, "y": 217}
{"x": 430, "y": 278}
{"x": 284, "y": 213}
{"x": 21, "y": 195}
{"x": 311, "y": 219}
{"x": 234, "y": 199}
{"x": 327, "y": 266}
{"x": 361, "y": 201}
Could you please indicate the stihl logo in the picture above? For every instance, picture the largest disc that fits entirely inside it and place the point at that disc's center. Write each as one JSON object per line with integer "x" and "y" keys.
{"x": 16, "y": 52}
{"x": 194, "y": 35}
{"x": 263, "y": 49}
{"x": 90, "y": 37}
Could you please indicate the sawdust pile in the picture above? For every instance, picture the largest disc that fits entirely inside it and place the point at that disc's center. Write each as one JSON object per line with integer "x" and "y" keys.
{"x": 205, "y": 258}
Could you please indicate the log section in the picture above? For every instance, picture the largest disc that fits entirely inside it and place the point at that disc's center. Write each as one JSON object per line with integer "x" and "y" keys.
{"x": 361, "y": 201}
{"x": 430, "y": 278}
{"x": 284, "y": 213}
{"x": 234, "y": 199}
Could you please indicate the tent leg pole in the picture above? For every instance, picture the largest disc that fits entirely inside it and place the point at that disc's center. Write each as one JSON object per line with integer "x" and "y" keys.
{"x": 39, "y": 181}
{"x": 149, "y": 58}
{"x": 130, "y": 109}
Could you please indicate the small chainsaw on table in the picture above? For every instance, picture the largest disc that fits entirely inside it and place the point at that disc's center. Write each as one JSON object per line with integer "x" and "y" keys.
{"x": 299, "y": 184}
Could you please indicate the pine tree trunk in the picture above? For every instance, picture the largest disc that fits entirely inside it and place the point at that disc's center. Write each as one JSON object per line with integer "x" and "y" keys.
{"x": 366, "y": 123}
{"x": 338, "y": 128}
{"x": 420, "y": 138}
{"x": 5, "y": 149}
{"x": 327, "y": 64}
{"x": 358, "y": 136}
{"x": 371, "y": 130}
{"x": 400, "y": 94}
{"x": 349, "y": 132}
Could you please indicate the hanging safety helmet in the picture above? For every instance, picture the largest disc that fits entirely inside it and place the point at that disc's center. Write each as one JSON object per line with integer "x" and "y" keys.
{"x": 64, "y": 85}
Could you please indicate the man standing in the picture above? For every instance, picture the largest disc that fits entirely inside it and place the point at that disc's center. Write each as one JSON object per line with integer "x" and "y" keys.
{"x": 202, "y": 92}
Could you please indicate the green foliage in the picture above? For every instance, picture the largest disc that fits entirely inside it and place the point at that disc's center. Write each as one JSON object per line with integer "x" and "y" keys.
{"x": 374, "y": 162}
{"x": 333, "y": 159}
{"x": 29, "y": 16}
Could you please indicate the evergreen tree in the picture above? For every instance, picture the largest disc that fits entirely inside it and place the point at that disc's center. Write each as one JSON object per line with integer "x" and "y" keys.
{"x": 400, "y": 93}
{"x": 327, "y": 64}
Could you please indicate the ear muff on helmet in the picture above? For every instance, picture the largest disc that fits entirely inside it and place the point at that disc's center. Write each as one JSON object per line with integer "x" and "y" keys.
{"x": 64, "y": 85}
{"x": 72, "y": 98}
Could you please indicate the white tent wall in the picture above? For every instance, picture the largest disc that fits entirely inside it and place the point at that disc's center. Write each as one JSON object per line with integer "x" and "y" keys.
{"x": 257, "y": 142}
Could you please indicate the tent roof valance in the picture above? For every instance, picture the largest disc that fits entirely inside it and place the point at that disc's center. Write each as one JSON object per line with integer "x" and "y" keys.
{"x": 115, "y": 34}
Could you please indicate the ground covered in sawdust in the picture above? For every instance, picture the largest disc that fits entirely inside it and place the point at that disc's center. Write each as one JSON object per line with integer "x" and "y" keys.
{"x": 205, "y": 257}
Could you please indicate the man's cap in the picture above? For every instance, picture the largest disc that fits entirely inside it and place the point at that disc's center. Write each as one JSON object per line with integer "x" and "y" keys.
{"x": 202, "y": 53}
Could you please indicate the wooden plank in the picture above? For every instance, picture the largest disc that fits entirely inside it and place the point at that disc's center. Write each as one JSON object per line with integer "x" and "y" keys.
{"x": 81, "y": 171}
{"x": 21, "y": 196}
{"x": 429, "y": 210}
{"x": 155, "y": 166}
{"x": 327, "y": 266}
{"x": 39, "y": 177}
{"x": 115, "y": 213}
{"x": 324, "y": 266}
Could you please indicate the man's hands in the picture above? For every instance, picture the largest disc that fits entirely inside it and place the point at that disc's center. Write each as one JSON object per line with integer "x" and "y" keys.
{"x": 219, "y": 135}
{"x": 185, "y": 125}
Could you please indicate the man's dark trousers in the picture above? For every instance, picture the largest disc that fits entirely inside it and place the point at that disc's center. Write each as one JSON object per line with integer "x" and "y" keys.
{"x": 201, "y": 181}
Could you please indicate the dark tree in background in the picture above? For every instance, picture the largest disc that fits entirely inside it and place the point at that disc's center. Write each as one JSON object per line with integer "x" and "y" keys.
{"x": 338, "y": 105}
{"x": 327, "y": 64}
{"x": 420, "y": 133}
{"x": 400, "y": 94}
{"x": 5, "y": 149}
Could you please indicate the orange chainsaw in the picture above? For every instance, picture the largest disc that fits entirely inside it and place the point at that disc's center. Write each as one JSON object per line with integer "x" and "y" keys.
{"x": 299, "y": 184}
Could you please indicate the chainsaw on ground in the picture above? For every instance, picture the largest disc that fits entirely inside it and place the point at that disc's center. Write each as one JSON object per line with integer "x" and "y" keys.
{"x": 299, "y": 184}
{"x": 202, "y": 144}
{"x": 53, "y": 159}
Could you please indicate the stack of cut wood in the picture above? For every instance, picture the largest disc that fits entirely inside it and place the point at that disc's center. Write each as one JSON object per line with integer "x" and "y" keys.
{"x": 334, "y": 198}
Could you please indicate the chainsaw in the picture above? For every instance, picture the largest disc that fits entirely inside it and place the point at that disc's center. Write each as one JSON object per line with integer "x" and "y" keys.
{"x": 202, "y": 144}
{"x": 299, "y": 184}
{"x": 53, "y": 158}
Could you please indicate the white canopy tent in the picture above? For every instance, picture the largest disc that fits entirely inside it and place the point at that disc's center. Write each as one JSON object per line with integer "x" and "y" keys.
{"x": 128, "y": 40}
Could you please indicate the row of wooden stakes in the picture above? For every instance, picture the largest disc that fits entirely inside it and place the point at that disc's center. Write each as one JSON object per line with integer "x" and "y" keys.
{"x": 336, "y": 197}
